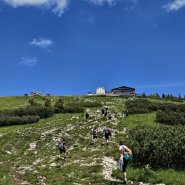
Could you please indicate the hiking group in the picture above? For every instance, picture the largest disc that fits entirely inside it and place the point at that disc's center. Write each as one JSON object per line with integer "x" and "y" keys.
{"x": 125, "y": 153}
{"x": 107, "y": 134}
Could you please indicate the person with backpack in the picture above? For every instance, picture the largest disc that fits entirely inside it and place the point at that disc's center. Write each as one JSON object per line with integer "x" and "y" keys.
{"x": 87, "y": 115}
{"x": 94, "y": 133}
{"x": 126, "y": 113}
{"x": 62, "y": 148}
{"x": 110, "y": 133}
{"x": 105, "y": 114}
{"x": 109, "y": 116}
{"x": 107, "y": 133}
{"x": 91, "y": 134}
{"x": 102, "y": 111}
{"x": 125, "y": 155}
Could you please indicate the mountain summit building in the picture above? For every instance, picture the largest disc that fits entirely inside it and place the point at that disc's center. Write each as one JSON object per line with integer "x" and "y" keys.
{"x": 123, "y": 91}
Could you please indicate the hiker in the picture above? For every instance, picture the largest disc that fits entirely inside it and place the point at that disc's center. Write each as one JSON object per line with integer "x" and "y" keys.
{"x": 125, "y": 155}
{"x": 126, "y": 113}
{"x": 107, "y": 134}
{"x": 102, "y": 112}
{"x": 123, "y": 114}
{"x": 87, "y": 115}
{"x": 106, "y": 112}
{"x": 110, "y": 133}
{"x": 94, "y": 133}
{"x": 109, "y": 116}
{"x": 91, "y": 133}
{"x": 62, "y": 148}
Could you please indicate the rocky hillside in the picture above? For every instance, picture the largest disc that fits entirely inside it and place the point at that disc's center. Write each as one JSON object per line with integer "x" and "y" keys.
{"x": 29, "y": 153}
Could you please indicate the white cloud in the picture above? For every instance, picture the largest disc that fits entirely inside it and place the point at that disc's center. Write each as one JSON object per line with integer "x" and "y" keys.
{"x": 113, "y": 2}
{"x": 42, "y": 43}
{"x": 28, "y": 61}
{"x": 57, "y": 6}
{"x": 101, "y": 2}
{"x": 175, "y": 5}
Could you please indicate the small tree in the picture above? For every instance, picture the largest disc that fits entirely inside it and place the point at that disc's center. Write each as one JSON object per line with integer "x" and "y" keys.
{"x": 163, "y": 96}
{"x": 59, "y": 106}
{"x": 157, "y": 95}
{"x": 47, "y": 103}
{"x": 32, "y": 102}
{"x": 143, "y": 95}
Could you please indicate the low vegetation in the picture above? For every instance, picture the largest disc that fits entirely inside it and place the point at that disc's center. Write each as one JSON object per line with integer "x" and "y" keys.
{"x": 171, "y": 117}
{"x": 162, "y": 146}
{"x": 29, "y": 153}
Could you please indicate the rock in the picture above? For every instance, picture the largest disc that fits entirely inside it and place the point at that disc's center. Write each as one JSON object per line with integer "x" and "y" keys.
{"x": 33, "y": 146}
{"x": 35, "y": 172}
{"x": 35, "y": 163}
{"x": 42, "y": 180}
{"x": 53, "y": 164}
{"x": 8, "y": 152}
{"x": 109, "y": 164}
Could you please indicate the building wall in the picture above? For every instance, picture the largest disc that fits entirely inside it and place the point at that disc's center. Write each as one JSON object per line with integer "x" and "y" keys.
{"x": 123, "y": 92}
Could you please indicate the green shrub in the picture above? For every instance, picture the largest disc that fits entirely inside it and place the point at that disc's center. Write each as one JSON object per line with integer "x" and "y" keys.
{"x": 59, "y": 106}
{"x": 139, "y": 106}
{"x": 25, "y": 115}
{"x": 32, "y": 102}
{"x": 41, "y": 111}
{"x": 170, "y": 117}
{"x": 16, "y": 120}
{"x": 47, "y": 102}
{"x": 172, "y": 107}
{"x": 162, "y": 146}
{"x": 138, "y": 103}
{"x": 145, "y": 106}
{"x": 138, "y": 111}
{"x": 73, "y": 109}
{"x": 90, "y": 104}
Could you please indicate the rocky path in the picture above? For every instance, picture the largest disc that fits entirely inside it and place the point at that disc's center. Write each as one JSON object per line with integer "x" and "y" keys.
{"x": 50, "y": 162}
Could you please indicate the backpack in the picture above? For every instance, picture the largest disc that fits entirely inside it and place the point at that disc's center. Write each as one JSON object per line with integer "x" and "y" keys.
{"x": 109, "y": 131}
{"x": 127, "y": 157}
{"x": 61, "y": 146}
{"x": 94, "y": 132}
{"x": 106, "y": 131}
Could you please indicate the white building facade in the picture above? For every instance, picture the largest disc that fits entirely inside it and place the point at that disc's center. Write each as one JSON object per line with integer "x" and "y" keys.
{"x": 100, "y": 91}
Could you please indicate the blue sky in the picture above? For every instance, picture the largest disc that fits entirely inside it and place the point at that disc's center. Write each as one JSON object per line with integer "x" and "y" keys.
{"x": 71, "y": 47}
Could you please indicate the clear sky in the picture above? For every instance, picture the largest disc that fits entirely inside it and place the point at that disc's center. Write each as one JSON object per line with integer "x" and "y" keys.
{"x": 71, "y": 47}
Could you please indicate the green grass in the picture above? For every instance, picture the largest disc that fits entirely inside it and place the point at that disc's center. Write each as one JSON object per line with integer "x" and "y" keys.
{"x": 76, "y": 168}
{"x": 169, "y": 177}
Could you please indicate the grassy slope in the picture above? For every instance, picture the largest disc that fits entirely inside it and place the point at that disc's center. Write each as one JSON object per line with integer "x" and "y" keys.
{"x": 18, "y": 164}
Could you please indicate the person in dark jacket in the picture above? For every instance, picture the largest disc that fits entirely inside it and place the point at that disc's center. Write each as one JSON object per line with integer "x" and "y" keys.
{"x": 107, "y": 134}
{"x": 62, "y": 148}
